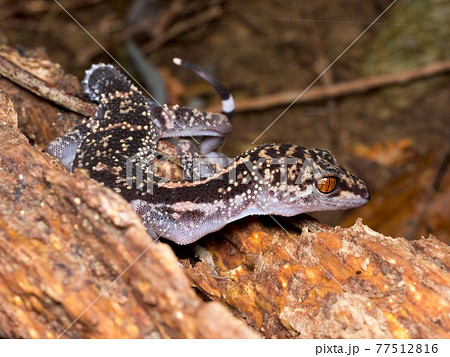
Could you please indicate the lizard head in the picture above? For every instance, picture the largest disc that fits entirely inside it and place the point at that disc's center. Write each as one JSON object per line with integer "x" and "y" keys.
{"x": 292, "y": 179}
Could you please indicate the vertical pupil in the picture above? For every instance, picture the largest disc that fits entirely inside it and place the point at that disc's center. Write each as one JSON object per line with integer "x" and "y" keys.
{"x": 326, "y": 184}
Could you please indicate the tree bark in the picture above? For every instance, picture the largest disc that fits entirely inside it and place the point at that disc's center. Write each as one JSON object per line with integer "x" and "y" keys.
{"x": 74, "y": 252}
{"x": 315, "y": 281}
{"x": 76, "y": 261}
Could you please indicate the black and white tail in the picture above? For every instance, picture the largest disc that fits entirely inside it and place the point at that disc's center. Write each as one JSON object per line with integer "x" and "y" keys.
{"x": 224, "y": 93}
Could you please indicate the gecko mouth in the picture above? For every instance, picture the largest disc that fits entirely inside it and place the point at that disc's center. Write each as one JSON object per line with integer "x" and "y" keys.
{"x": 348, "y": 203}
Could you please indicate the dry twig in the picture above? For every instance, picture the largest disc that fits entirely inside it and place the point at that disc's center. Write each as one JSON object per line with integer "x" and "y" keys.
{"x": 340, "y": 89}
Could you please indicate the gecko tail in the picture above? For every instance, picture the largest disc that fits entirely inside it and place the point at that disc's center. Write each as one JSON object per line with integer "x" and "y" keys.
{"x": 224, "y": 93}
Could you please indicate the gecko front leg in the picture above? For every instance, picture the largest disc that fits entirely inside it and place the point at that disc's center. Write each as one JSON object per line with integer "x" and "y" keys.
{"x": 195, "y": 165}
{"x": 118, "y": 150}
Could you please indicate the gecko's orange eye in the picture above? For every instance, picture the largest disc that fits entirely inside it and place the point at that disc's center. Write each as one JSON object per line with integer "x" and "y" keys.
{"x": 326, "y": 184}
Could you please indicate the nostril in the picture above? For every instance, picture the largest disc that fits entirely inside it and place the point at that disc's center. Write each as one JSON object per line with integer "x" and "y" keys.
{"x": 366, "y": 195}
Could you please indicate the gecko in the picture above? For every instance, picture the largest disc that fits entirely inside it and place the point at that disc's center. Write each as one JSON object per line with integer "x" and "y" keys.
{"x": 118, "y": 147}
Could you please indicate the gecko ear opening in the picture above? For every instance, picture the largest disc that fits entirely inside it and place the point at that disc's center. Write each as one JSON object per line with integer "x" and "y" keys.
{"x": 327, "y": 185}
{"x": 272, "y": 196}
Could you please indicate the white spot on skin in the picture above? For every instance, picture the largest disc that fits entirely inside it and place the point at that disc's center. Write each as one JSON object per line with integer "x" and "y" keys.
{"x": 130, "y": 103}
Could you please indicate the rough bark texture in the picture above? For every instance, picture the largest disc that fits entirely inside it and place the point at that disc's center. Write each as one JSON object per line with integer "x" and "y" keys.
{"x": 65, "y": 241}
{"x": 73, "y": 250}
{"x": 36, "y": 73}
{"x": 325, "y": 282}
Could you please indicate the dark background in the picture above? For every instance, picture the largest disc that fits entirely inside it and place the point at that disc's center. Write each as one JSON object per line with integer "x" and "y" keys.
{"x": 396, "y": 137}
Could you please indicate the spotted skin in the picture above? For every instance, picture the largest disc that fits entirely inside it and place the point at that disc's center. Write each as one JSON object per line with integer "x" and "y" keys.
{"x": 119, "y": 146}
{"x": 123, "y": 109}
{"x": 255, "y": 184}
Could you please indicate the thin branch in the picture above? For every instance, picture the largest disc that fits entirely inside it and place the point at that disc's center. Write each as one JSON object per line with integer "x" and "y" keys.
{"x": 16, "y": 73}
{"x": 339, "y": 90}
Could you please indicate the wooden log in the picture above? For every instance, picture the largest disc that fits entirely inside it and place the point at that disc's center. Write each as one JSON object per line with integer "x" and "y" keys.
{"x": 77, "y": 262}
{"x": 74, "y": 252}
{"x": 315, "y": 281}
{"x": 44, "y": 78}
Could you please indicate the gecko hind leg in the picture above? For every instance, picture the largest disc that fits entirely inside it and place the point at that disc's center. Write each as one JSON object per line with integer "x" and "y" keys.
{"x": 65, "y": 147}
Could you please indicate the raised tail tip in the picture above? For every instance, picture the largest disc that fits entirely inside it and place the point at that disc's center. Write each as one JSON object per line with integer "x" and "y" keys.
{"x": 177, "y": 61}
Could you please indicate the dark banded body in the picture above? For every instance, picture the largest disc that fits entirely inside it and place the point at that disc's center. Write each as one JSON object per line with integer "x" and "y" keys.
{"x": 278, "y": 179}
{"x": 118, "y": 148}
